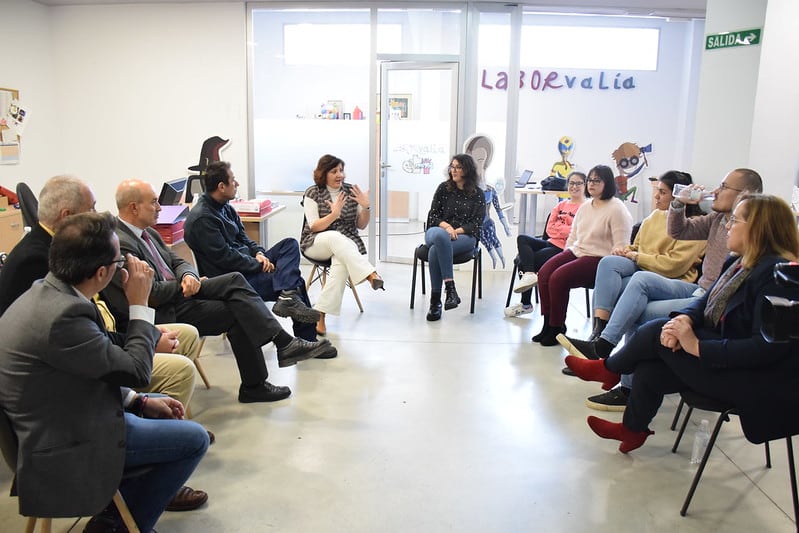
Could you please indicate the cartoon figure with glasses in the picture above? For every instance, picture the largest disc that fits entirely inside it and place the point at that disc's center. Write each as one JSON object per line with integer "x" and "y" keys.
{"x": 630, "y": 160}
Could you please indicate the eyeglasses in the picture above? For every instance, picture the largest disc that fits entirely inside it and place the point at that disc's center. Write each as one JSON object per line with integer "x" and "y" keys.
{"x": 576, "y": 183}
{"x": 594, "y": 180}
{"x": 455, "y": 167}
{"x": 724, "y": 186}
{"x": 118, "y": 262}
{"x": 735, "y": 220}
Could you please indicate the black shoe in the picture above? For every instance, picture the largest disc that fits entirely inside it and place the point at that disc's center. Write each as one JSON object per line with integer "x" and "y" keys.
{"x": 265, "y": 392}
{"x": 550, "y": 337}
{"x": 107, "y": 521}
{"x": 614, "y": 400}
{"x": 598, "y": 349}
{"x": 567, "y": 371}
{"x": 544, "y": 329}
{"x": 329, "y": 353}
{"x": 300, "y": 350}
{"x": 376, "y": 283}
{"x": 434, "y": 313}
{"x": 289, "y": 305}
{"x": 452, "y": 300}
{"x": 599, "y": 327}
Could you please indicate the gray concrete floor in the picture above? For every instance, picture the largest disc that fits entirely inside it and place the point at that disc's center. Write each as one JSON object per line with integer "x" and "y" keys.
{"x": 461, "y": 425}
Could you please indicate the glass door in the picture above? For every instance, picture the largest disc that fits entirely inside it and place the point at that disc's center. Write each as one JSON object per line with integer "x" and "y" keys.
{"x": 418, "y": 120}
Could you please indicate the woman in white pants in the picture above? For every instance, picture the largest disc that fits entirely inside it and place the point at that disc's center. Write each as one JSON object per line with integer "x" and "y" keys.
{"x": 334, "y": 212}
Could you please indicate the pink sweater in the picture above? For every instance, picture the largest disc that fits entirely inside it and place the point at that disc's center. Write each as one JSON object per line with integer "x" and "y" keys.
{"x": 599, "y": 226}
{"x": 560, "y": 222}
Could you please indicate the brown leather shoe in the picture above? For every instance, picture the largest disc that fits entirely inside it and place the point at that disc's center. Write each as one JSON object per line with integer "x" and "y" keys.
{"x": 211, "y": 437}
{"x": 187, "y": 499}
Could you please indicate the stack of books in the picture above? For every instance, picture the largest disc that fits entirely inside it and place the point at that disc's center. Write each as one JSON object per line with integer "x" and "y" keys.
{"x": 170, "y": 223}
{"x": 252, "y": 208}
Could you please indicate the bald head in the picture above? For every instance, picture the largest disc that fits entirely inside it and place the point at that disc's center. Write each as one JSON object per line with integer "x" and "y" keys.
{"x": 62, "y": 196}
{"x": 137, "y": 203}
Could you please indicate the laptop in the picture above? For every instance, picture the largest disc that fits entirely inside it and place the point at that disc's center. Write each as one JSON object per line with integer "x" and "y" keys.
{"x": 524, "y": 179}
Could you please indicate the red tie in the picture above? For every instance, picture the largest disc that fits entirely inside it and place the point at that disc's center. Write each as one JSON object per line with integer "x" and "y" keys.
{"x": 164, "y": 270}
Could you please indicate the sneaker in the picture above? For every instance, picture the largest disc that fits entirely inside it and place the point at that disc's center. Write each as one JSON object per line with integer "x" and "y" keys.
{"x": 300, "y": 350}
{"x": 528, "y": 281}
{"x": 518, "y": 309}
{"x": 289, "y": 305}
{"x": 613, "y": 400}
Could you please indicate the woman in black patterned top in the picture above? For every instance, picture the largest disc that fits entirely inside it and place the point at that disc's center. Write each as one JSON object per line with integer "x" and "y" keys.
{"x": 453, "y": 227}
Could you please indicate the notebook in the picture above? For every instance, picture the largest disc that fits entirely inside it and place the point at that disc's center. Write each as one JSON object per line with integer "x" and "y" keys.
{"x": 524, "y": 179}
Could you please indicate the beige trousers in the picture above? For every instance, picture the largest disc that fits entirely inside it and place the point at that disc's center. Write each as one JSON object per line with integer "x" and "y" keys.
{"x": 173, "y": 373}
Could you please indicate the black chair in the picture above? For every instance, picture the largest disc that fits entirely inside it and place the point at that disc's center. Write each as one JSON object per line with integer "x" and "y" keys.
{"x": 28, "y": 204}
{"x": 9, "y": 445}
{"x": 694, "y": 400}
{"x": 475, "y": 255}
{"x": 209, "y": 153}
{"x": 319, "y": 273}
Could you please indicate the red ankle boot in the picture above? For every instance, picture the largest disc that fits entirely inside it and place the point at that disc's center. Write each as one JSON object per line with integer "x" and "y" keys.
{"x": 630, "y": 440}
{"x": 592, "y": 370}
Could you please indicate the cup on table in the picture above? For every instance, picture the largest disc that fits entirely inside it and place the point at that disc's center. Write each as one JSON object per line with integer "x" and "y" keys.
{"x": 691, "y": 193}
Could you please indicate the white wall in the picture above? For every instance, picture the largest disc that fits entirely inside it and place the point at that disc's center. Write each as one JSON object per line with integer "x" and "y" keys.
{"x": 774, "y": 150}
{"x": 26, "y": 64}
{"x": 140, "y": 87}
{"x": 727, "y": 87}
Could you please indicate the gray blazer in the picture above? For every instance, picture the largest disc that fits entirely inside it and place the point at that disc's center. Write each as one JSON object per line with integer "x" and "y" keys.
{"x": 60, "y": 378}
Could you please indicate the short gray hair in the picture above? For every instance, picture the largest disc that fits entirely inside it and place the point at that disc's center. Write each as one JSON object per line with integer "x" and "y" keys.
{"x": 59, "y": 193}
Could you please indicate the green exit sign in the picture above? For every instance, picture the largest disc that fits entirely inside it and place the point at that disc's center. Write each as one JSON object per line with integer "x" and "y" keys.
{"x": 729, "y": 39}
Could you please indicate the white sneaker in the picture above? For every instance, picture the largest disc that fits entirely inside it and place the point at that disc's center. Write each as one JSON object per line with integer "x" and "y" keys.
{"x": 517, "y": 309}
{"x": 528, "y": 281}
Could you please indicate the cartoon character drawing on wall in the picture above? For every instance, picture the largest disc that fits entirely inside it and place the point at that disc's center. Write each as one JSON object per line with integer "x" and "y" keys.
{"x": 630, "y": 160}
{"x": 488, "y": 231}
{"x": 563, "y": 168}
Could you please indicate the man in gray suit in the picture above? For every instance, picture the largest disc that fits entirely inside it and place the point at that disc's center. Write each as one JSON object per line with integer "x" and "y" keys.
{"x": 64, "y": 386}
{"x": 221, "y": 304}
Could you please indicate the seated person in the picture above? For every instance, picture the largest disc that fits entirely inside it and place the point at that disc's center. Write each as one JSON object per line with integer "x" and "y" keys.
{"x": 221, "y": 304}
{"x": 714, "y": 346}
{"x": 453, "y": 227}
{"x": 534, "y": 252}
{"x": 64, "y": 384}
{"x": 216, "y": 235}
{"x": 653, "y": 250}
{"x": 649, "y": 295}
{"x": 334, "y": 212}
{"x": 601, "y": 224}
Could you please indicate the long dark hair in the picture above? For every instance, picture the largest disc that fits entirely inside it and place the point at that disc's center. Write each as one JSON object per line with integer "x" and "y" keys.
{"x": 672, "y": 177}
{"x": 470, "y": 177}
{"x": 604, "y": 173}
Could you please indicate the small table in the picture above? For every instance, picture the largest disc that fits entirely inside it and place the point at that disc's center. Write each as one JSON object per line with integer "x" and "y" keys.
{"x": 523, "y": 216}
{"x": 257, "y": 226}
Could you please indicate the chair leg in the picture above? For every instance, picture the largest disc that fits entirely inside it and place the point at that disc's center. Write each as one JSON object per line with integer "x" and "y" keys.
{"x": 682, "y": 429}
{"x": 723, "y": 417}
{"x": 512, "y": 283}
{"x": 475, "y": 269}
{"x": 535, "y": 289}
{"x": 480, "y": 275}
{"x": 30, "y": 525}
{"x": 768, "y": 454}
{"x": 792, "y": 468}
{"x": 124, "y": 512}
{"x": 421, "y": 267}
{"x": 587, "y": 303}
{"x": 677, "y": 414}
{"x": 311, "y": 279}
{"x": 201, "y": 371}
{"x": 323, "y": 278}
{"x": 413, "y": 280}
{"x": 355, "y": 293}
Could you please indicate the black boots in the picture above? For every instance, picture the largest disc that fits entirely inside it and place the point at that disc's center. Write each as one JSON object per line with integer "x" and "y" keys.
{"x": 599, "y": 327}
{"x": 435, "y": 306}
{"x": 452, "y": 299}
{"x": 548, "y": 333}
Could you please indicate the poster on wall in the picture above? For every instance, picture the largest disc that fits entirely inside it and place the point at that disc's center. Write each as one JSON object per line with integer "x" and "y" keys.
{"x": 13, "y": 118}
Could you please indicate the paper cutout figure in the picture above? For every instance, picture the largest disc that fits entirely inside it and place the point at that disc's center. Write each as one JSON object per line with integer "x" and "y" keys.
{"x": 630, "y": 160}
{"x": 563, "y": 168}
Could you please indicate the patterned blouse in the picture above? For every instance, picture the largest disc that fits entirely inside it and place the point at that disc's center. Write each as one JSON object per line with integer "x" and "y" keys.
{"x": 458, "y": 208}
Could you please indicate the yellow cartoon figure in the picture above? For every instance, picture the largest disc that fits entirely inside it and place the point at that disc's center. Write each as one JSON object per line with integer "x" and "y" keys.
{"x": 563, "y": 168}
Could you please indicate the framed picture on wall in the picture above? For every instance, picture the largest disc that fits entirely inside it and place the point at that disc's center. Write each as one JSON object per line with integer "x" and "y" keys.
{"x": 399, "y": 105}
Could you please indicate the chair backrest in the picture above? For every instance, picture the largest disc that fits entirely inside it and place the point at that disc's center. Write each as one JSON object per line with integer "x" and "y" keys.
{"x": 28, "y": 204}
{"x": 209, "y": 153}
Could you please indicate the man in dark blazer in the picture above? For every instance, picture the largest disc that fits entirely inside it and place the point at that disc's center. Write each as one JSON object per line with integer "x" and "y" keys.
{"x": 63, "y": 386}
{"x": 221, "y": 304}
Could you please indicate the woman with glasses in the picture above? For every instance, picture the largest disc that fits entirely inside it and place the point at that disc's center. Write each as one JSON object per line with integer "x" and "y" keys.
{"x": 534, "y": 252}
{"x": 453, "y": 227}
{"x": 601, "y": 224}
{"x": 334, "y": 212}
{"x": 653, "y": 250}
{"x": 714, "y": 346}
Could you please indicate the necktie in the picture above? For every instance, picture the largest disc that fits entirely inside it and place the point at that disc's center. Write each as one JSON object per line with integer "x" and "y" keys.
{"x": 163, "y": 269}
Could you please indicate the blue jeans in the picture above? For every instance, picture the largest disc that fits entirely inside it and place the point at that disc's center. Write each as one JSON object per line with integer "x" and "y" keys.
{"x": 442, "y": 250}
{"x": 613, "y": 274}
{"x": 173, "y": 448}
{"x": 643, "y": 287}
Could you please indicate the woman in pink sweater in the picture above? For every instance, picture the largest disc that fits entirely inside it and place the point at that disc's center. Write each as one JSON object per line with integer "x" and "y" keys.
{"x": 600, "y": 225}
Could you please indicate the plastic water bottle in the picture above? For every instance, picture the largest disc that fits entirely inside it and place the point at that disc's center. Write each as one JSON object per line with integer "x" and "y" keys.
{"x": 701, "y": 439}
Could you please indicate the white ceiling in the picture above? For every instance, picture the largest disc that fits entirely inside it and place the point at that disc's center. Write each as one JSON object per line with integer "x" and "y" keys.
{"x": 663, "y": 8}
